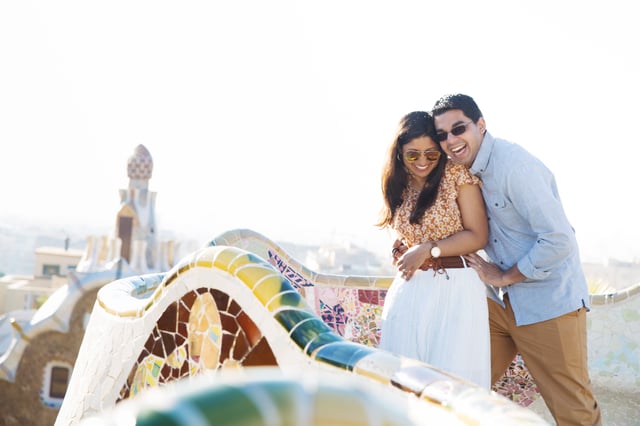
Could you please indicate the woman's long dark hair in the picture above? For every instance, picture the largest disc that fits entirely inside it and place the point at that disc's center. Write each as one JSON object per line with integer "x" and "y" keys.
{"x": 394, "y": 175}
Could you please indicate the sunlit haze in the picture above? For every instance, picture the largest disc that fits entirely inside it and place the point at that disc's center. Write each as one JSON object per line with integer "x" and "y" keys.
{"x": 275, "y": 116}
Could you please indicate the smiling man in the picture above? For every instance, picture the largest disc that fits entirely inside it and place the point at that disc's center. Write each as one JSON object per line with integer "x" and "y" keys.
{"x": 538, "y": 295}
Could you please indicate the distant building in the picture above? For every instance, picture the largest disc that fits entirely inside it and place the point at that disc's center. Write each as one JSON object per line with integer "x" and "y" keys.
{"x": 52, "y": 265}
{"x": 43, "y": 317}
{"x": 136, "y": 218}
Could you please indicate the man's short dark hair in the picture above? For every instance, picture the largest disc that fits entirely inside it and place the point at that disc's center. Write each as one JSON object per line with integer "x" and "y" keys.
{"x": 465, "y": 103}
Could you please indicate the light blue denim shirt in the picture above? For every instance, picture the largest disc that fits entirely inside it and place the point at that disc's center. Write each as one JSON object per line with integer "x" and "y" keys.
{"x": 528, "y": 226}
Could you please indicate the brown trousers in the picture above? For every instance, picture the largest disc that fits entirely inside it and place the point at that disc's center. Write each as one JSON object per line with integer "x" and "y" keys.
{"x": 555, "y": 352}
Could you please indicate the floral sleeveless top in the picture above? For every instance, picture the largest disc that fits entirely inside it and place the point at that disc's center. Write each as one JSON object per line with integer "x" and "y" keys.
{"x": 443, "y": 217}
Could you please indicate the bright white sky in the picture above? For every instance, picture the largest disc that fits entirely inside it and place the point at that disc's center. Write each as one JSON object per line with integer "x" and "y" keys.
{"x": 276, "y": 116}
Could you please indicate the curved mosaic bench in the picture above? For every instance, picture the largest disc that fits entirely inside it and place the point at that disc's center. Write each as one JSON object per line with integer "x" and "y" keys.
{"x": 264, "y": 395}
{"x": 352, "y": 305}
{"x": 226, "y": 308}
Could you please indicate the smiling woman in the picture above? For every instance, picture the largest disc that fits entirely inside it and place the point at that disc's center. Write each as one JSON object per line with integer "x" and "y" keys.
{"x": 436, "y": 209}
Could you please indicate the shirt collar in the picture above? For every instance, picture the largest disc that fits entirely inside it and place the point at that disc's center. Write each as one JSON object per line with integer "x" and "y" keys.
{"x": 481, "y": 162}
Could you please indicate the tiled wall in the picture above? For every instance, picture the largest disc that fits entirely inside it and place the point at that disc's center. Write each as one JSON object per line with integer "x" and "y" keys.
{"x": 228, "y": 308}
{"x": 243, "y": 302}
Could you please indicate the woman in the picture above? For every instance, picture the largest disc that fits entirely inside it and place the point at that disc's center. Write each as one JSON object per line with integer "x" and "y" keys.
{"x": 436, "y": 315}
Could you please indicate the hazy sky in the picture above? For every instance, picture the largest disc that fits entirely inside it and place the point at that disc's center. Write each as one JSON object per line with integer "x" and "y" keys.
{"x": 276, "y": 115}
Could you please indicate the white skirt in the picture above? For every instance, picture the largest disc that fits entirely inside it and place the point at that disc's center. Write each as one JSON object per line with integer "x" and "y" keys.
{"x": 441, "y": 321}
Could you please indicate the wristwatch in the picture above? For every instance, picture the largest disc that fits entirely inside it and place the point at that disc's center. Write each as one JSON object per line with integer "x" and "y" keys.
{"x": 435, "y": 250}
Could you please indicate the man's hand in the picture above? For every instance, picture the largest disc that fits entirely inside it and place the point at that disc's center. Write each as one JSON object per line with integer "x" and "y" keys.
{"x": 488, "y": 272}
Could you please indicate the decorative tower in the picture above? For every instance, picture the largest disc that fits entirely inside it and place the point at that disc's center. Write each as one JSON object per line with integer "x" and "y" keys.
{"x": 136, "y": 218}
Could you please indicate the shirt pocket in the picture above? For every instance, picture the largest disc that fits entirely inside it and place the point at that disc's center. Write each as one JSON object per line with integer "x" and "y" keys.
{"x": 502, "y": 213}
{"x": 495, "y": 202}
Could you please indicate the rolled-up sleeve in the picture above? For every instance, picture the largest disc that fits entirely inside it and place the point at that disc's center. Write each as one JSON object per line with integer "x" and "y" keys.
{"x": 540, "y": 207}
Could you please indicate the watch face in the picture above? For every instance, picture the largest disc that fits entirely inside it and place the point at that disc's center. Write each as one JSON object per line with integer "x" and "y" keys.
{"x": 435, "y": 251}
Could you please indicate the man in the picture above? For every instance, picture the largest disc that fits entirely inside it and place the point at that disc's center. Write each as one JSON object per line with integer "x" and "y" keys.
{"x": 538, "y": 295}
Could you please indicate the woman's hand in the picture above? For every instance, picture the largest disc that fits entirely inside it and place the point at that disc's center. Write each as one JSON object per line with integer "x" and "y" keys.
{"x": 409, "y": 262}
{"x": 399, "y": 248}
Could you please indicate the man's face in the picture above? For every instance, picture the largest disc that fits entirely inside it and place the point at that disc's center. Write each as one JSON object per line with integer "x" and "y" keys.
{"x": 459, "y": 136}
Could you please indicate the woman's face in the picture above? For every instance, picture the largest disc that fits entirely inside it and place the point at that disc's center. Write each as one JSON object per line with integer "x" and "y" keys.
{"x": 420, "y": 156}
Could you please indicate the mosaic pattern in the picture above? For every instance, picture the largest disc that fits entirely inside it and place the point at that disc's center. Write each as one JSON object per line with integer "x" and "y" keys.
{"x": 140, "y": 164}
{"x": 355, "y": 314}
{"x": 254, "y": 316}
{"x": 225, "y": 309}
{"x": 614, "y": 358}
{"x": 204, "y": 330}
{"x": 517, "y": 384}
{"x": 245, "y": 397}
{"x": 354, "y": 311}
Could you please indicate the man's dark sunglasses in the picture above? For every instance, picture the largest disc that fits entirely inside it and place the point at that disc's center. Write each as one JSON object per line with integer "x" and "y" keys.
{"x": 456, "y": 131}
